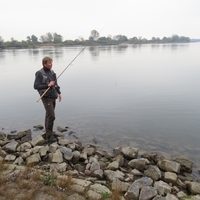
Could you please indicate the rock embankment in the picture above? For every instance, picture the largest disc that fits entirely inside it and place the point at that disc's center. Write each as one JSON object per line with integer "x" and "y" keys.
{"x": 97, "y": 173}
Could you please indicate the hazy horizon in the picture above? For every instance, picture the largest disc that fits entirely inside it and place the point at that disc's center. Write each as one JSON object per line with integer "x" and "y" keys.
{"x": 75, "y": 19}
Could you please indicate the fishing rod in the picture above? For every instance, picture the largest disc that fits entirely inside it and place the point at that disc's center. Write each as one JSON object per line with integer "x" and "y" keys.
{"x": 62, "y": 72}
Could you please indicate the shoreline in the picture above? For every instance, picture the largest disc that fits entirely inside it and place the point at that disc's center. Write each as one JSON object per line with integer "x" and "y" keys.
{"x": 123, "y": 169}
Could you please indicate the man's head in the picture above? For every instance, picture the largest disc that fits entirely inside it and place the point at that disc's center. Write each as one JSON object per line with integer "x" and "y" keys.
{"x": 47, "y": 62}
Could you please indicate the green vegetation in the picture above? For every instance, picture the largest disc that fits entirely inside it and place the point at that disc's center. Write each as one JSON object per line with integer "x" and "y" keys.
{"x": 105, "y": 195}
{"x": 48, "y": 179}
{"x": 54, "y": 39}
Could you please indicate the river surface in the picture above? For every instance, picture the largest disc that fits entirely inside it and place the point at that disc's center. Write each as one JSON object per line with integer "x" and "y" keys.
{"x": 146, "y": 96}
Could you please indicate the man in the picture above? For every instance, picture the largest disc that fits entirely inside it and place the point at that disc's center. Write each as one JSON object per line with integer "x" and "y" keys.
{"x": 45, "y": 79}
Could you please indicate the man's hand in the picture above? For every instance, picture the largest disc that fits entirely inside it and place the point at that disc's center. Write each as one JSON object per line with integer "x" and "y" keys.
{"x": 59, "y": 97}
{"x": 51, "y": 83}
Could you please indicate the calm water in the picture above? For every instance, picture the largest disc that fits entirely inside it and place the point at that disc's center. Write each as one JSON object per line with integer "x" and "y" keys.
{"x": 146, "y": 96}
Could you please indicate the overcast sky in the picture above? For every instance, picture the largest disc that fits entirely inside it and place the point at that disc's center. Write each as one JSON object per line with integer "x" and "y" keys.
{"x": 76, "y": 18}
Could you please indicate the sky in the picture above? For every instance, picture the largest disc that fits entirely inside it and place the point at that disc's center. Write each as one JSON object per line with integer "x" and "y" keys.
{"x": 77, "y": 18}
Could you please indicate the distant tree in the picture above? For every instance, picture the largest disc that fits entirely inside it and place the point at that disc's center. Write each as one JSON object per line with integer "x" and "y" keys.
{"x": 1, "y": 39}
{"x": 28, "y": 38}
{"x": 121, "y": 38}
{"x": 57, "y": 38}
{"x": 166, "y": 40}
{"x": 43, "y": 38}
{"x": 34, "y": 39}
{"x": 175, "y": 38}
{"x": 2, "y": 45}
{"x": 184, "y": 39}
{"x": 134, "y": 40}
{"x": 49, "y": 37}
{"x": 91, "y": 38}
{"x": 103, "y": 40}
{"x": 95, "y": 34}
{"x": 144, "y": 40}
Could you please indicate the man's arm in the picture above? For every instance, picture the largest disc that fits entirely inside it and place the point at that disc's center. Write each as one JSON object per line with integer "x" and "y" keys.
{"x": 38, "y": 85}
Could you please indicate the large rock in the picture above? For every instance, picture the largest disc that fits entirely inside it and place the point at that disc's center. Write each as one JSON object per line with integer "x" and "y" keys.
{"x": 194, "y": 187}
{"x": 186, "y": 164}
{"x": 130, "y": 152}
{"x": 153, "y": 172}
{"x": 169, "y": 166}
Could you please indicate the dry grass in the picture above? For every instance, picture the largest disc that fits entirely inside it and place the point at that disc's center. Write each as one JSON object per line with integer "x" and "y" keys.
{"x": 35, "y": 184}
{"x": 117, "y": 194}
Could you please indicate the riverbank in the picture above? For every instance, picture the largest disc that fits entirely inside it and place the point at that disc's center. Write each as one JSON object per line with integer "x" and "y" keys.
{"x": 68, "y": 170}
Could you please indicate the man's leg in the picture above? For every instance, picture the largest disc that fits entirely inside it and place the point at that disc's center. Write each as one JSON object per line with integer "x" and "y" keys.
{"x": 49, "y": 105}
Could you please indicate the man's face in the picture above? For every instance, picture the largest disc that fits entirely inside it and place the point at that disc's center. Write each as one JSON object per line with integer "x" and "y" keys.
{"x": 48, "y": 65}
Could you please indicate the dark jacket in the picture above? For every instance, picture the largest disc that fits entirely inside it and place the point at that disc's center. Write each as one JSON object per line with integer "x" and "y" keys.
{"x": 42, "y": 78}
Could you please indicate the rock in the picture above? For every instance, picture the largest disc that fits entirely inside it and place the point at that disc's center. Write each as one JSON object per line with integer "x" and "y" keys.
{"x": 10, "y": 157}
{"x": 186, "y": 164}
{"x": 11, "y": 147}
{"x": 153, "y": 172}
{"x": 119, "y": 185}
{"x": 113, "y": 165}
{"x": 2, "y": 135}
{"x": 170, "y": 166}
{"x": 162, "y": 187}
{"x": 24, "y": 146}
{"x": 171, "y": 197}
{"x": 38, "y": 140}
{"x": 170, "y": 177}
{"x": 194, "y": 187}
{"x": 38, "y": 127}
{"x": 138, "y": 163}
{"x": 60, "y": 129}
{"x": 147, "y": 193}
{"x": 33, "y": 159}
{"x": 130, "y": 152}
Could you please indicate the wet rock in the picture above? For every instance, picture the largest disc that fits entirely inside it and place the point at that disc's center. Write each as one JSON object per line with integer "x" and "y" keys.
{"x": 14, "y": 131}
{"x": 186, "y": 164}
{"x": 130, "y": 152}
{"x": 38, "y": 127}
{"x": 2, "y": 135}
{"x": 61, "y": 129}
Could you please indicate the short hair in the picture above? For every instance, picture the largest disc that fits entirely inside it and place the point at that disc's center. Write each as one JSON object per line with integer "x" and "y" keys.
{"x": 46, "y": 59}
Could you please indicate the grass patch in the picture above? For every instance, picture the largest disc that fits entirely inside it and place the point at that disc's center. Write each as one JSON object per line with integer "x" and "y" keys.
{"x": 105, "y": 195}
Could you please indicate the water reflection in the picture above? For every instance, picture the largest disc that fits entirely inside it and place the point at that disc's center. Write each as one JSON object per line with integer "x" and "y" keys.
{"x": 175, "y": 46}
{"x": 96, "y": 50}
{"x": 53, "y": 52}
{"x": 34, "y": 52}
{"x": 2, "y": 54}
{"x": 120, "y": 48}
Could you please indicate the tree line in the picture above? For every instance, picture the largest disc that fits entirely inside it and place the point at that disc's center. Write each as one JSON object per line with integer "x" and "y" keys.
{"x": 93, "y": 40}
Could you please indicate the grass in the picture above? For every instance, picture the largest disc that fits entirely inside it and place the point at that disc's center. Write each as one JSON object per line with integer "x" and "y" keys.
{"x": 35, "y": 184}
{"x": 105, "y": 195}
